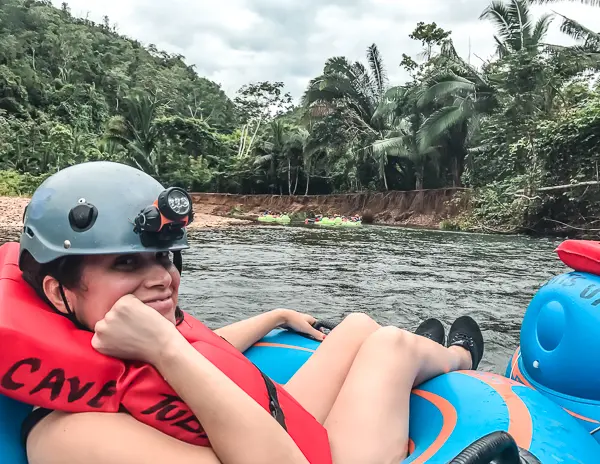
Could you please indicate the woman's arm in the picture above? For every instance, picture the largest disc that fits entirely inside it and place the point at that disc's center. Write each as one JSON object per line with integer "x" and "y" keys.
{"x": 239, "y": 429}
{"x": 105, "y": 438}
{"x": 245, "y": 333}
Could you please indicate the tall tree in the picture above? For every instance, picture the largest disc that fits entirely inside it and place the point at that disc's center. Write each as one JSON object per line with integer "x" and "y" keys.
{"x": 516, "y": 30}
{"x": 355, "y": 91}
{"x": 137, "y": 132}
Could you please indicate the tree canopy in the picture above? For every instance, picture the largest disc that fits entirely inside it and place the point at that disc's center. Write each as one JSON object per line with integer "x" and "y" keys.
{"x": 511, "y": 128}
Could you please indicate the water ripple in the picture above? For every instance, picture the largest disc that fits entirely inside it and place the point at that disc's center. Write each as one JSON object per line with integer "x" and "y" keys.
{"x": 399, "y": 276}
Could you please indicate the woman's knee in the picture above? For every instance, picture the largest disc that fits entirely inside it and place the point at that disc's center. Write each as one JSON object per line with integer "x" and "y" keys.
{"x": 394, "y": 339}
{"x": 360, "y": 320}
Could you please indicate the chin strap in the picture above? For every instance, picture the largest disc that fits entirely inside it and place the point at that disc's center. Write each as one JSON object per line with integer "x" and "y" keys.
{"x": 70, "y": 314}
{"x": 178, "y": 261}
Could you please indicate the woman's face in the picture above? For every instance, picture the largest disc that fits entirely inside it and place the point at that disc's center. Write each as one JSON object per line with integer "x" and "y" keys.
{"x": 150, "y": 277}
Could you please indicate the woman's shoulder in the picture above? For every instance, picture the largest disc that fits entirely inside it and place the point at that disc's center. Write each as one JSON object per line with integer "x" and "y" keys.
{"x": 103, "y": 438}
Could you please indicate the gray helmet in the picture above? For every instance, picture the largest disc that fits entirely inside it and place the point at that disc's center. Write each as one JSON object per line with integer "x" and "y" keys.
{"x": 91, "y": 208}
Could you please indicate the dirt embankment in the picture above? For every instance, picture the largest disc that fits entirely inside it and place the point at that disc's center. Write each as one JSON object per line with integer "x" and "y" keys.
{"x": 422, "y": 208}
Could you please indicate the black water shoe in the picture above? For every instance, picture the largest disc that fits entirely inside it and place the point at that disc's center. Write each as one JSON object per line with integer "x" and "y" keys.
{"x": 465, "y": 332}
{"x": 432, "y": 329}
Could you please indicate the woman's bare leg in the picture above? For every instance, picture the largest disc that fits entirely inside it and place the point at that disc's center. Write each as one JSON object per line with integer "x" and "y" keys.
{"x": 368, "y": 422}
{"x": 318, "y": 382}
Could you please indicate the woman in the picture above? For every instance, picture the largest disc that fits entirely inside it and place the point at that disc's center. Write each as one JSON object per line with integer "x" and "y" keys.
{"x": 86, "y": 251}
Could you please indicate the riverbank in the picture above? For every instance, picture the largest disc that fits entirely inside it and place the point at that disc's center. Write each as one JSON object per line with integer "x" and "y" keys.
{"x": 11, "y": 217}
{"x": 423, "y": 209}
{"x": 416, "y": 208}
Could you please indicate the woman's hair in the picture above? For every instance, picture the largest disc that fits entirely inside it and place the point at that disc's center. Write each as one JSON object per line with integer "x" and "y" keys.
{"x": 67, "y": 270}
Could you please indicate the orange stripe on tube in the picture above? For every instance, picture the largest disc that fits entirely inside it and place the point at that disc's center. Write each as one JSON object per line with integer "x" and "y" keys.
{"x": 583, "y": 418}
{"x": 520, "y": 425}
{"x": 449, "y": 419}
{"x": 411, "y": 447}
{"x": 281, "y": 345}
{"x": 519, "y": 377}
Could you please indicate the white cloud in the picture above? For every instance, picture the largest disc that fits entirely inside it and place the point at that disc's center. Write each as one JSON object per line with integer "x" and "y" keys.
{"x": 234, "y": 42}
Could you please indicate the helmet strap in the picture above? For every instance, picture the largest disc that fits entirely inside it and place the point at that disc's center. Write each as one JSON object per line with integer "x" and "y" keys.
{"x": 178, "y": 261}
{"x": 70, "y": 314}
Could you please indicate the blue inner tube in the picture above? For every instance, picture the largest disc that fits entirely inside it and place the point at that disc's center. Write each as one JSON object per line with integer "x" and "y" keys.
{"x": 451, "y": 412}
{"x": 12, "y": 415}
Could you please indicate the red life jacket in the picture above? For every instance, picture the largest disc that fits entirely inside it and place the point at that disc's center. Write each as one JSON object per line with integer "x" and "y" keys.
{"x": 46, "y": 361}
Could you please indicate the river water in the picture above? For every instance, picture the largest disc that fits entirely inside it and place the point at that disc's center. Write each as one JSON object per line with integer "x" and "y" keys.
{"x": 398, "y": 276}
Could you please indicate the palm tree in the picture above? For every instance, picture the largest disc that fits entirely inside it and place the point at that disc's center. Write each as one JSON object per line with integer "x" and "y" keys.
{"x": 402, "y": 142}
{"x": 296, "y": 151}
{"x": 312, "y": 147}
{"x": 282, "y": 150}
{"x": 463, "y": 99}
{"x": 404, "y": 118}
{"x": 137, "y": 132}
{"x": 355, "y": 92}
{"x": 588, "y": 41}
{"x": 454, "y": 101}
{"x": 515, "y": 26}
{"x": 351, "y": 87}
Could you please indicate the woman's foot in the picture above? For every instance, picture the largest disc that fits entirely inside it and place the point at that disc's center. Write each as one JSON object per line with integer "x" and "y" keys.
{"x": 465, "y": 332}
{"x": 432, "y": 329}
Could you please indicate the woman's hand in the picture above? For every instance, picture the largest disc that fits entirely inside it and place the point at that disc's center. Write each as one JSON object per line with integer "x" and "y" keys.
{"x": 301, "y": 323}
{"x": 133, "y": 330}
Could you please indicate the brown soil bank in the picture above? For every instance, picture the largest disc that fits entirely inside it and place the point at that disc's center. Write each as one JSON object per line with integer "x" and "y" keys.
{"x": 423, "y": 208}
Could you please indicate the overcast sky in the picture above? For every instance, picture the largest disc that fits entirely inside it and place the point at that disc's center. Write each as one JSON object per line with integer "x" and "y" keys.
{"x": 233, "y": 42}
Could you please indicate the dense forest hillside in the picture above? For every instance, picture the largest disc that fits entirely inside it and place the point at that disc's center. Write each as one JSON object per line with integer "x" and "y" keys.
{"x": 521, "y": 129}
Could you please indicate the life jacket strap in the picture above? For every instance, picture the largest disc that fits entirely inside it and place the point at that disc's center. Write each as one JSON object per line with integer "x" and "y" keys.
{"x": 274, "y": 406}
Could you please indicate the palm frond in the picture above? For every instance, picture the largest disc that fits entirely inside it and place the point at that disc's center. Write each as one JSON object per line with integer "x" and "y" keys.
{"x": 377, "y": 68}
{"x": 541, "y": 28}
{"x": 339, "y": 65}
{"x": 521, "y": 24}
{"x": 365, "y": 87}
{"x": 497, "y": 12}
{"x": 446, "y": 85}
{"x": 391, "y": 101}
{"x": 260, "y": 160}
{"x": 395, "y": 146}
{"x": 278, "y": 133}
{"x": 501, "y": 48}
{"x": 578, "y": 31}
{"x": 438, "y": 123}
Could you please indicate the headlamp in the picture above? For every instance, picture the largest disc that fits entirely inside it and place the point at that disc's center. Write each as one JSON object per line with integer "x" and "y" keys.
{"x": 174, "y": 203}
{"x": 166, "y": 218}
